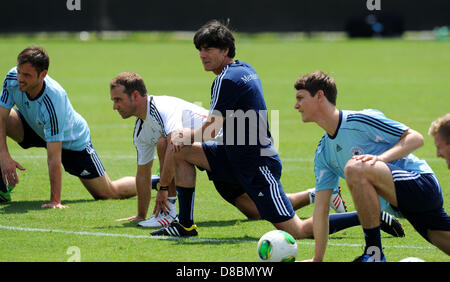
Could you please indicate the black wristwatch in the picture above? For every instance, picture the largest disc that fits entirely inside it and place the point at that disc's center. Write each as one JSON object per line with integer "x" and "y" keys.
{"x": 161, "y": 188}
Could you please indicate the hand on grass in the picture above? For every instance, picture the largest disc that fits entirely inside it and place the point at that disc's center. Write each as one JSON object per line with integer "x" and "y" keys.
{"x": 53, "y": 206}
{"x": 132, "y": 218}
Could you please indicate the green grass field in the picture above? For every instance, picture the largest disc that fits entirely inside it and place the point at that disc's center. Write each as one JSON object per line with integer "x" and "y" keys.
{"x": 407, "y": 80}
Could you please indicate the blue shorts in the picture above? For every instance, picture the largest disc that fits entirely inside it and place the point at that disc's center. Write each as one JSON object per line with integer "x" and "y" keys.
{"x": 420, "y": 200}
{"x": 261, "y": 182}
{"x": 83, "y": 164}
{"x": 220, "y": 170}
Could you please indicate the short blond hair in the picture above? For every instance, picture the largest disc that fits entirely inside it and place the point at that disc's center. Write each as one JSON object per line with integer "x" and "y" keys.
{"x": 441, "y": 126}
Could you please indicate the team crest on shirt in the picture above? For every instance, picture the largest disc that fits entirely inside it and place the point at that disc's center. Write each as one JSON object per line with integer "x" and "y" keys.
{"x": 356, "y": 151}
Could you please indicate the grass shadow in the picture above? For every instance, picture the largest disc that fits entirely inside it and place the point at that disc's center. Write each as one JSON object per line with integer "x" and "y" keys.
{"x": 209, "y": 241}
{"x": 209, "y": 223}
{"x": 222, "y": 223}
{"x": 18, "y": 207}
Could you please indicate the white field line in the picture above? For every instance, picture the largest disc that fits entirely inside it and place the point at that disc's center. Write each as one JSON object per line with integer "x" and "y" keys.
{"x": 212, "y": 240}
{"x": 44, "y": 156}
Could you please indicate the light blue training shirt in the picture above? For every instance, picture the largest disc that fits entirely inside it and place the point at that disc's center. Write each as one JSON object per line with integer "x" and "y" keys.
{"x": 50, "y": 114}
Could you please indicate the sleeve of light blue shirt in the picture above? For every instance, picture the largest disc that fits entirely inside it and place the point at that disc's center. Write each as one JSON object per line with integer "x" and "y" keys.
{"x": 326, "y": 178}
{"x": 6, "y": 99}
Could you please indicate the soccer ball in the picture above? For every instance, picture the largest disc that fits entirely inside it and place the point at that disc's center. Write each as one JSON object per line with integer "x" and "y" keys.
{"x": 412, "y": 259}
{"x": 277, "y": 246}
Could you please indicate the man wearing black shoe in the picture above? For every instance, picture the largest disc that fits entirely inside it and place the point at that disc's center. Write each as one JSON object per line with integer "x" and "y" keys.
{"x": 373, "y": 154}
{"x": 247, "y": 157}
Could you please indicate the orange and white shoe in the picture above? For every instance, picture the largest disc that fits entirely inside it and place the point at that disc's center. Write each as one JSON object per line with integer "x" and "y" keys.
{"x": 337, "y": 203}
{"x": 158, "y": 221}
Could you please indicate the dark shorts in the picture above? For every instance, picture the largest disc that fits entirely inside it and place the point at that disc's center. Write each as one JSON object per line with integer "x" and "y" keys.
{"x": 218, "y": 161}
{"x": 260, "y": 181}
{"x": 420, "y": 200}
{"x": 30, "y": 138}
{"x": 84, "y": 164}
{"x": 229, "y": 191}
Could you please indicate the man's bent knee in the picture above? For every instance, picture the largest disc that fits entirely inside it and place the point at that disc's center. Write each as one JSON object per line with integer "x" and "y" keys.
{"x": 352, "y": 167}
{"x": 440, "y": 239}
{"x": 353, "y": 170}
{"x": 193, "y": 155}
{"x": 101, "y": 188}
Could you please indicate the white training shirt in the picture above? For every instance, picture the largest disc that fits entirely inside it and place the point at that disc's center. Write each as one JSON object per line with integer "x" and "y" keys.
{"x": 164, "y": 115}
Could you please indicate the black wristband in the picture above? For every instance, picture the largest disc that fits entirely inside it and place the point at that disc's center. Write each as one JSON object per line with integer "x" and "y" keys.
{"x": 161, "y": 188}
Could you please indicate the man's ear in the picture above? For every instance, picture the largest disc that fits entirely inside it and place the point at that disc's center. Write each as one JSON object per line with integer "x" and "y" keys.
{"x": 320, "y": 94}
{"x": 135, "y": 95}
{"x": 43, "y": 74}
{"x": 225, "y": 51}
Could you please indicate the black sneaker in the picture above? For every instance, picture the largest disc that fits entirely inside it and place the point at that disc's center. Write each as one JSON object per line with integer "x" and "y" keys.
{"x": 175, "y": 229}
{"x": 391, "y": 225}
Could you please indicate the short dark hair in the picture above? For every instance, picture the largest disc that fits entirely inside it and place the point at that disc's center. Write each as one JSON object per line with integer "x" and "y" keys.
{"x": 316, "y": 81}
{"x": 36, "y": 56}
{"x": 131, "y": 81}
{"x": 217, "y": 35}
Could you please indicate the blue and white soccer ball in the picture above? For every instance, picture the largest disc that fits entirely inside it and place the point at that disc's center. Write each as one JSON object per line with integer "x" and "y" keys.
{"x": 277, "y": 246}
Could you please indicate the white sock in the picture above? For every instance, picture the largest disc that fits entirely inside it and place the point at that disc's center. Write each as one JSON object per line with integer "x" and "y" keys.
{"x": 172, "y": 204}
{"x": 312, "y": 195}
